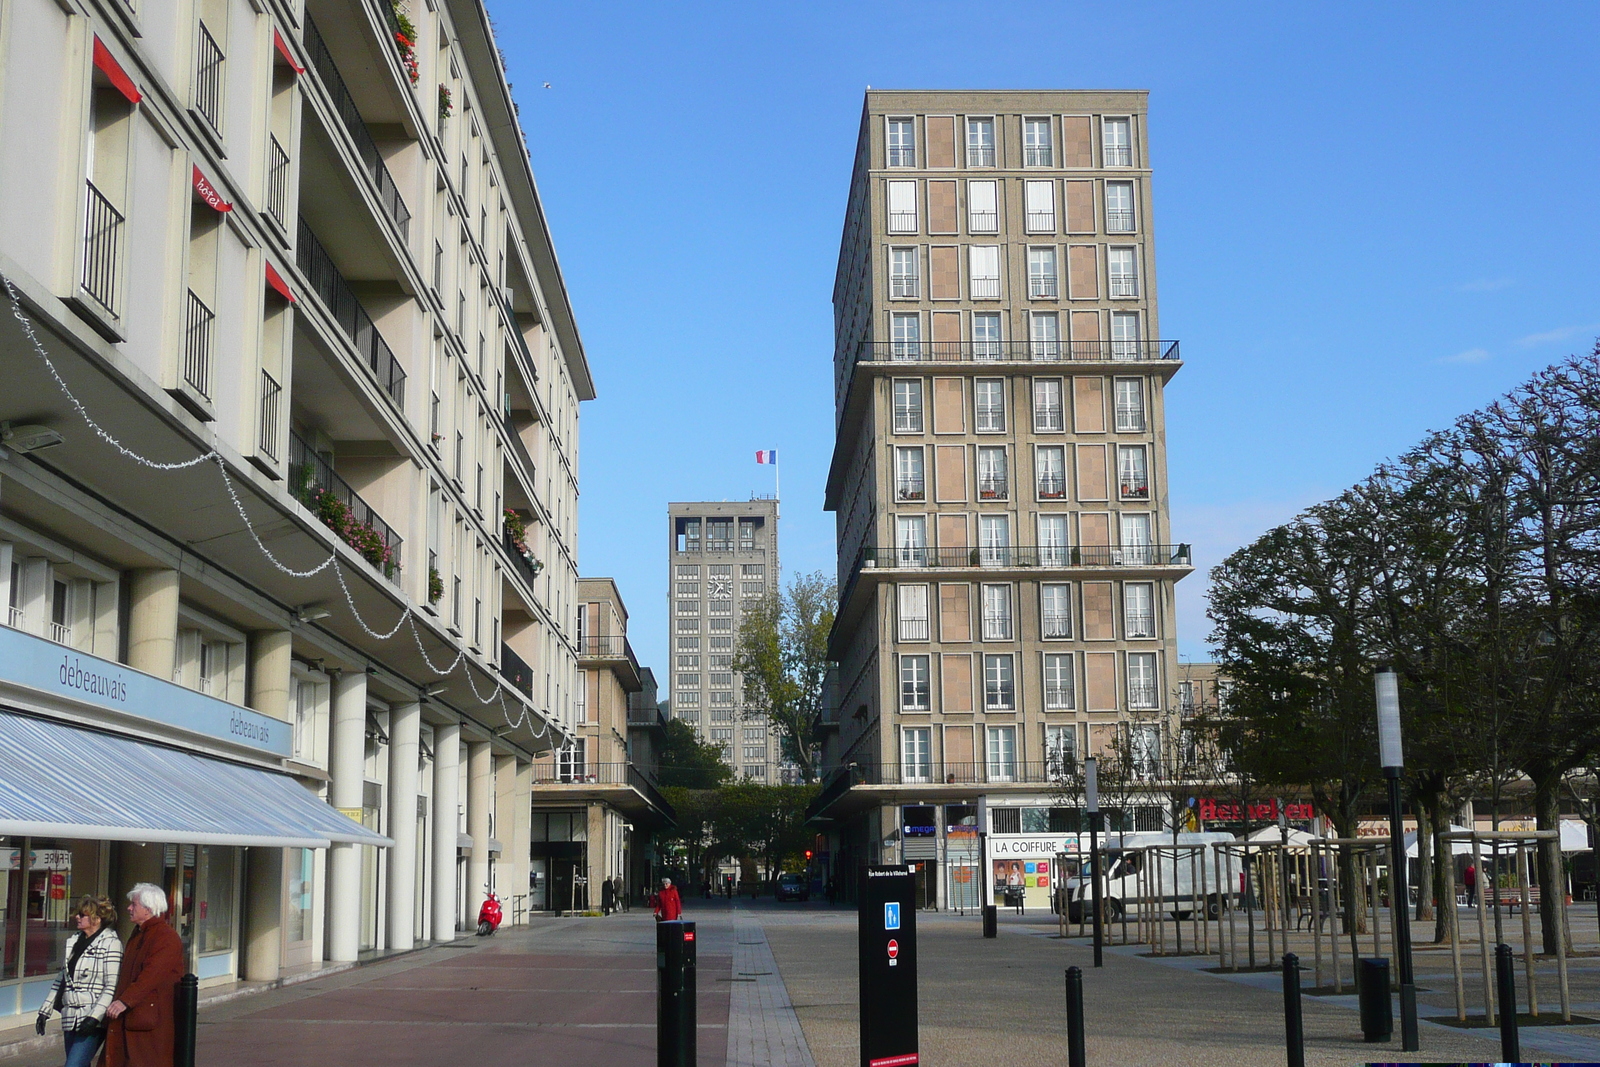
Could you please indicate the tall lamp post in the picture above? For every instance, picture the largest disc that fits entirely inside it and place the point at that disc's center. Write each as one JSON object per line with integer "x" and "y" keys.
{"x": 1387, "y": 685}
{"x": 1091, "y": 791}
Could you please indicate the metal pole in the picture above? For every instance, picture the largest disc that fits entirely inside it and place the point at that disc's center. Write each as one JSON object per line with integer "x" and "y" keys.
{"x": 1399, "y": 907}
{"x": 187, "y": 1010}
{"x": 1506, "y": 979}
{"x": 1293, "y": 1024}
{"x": 1075, "y": 1053}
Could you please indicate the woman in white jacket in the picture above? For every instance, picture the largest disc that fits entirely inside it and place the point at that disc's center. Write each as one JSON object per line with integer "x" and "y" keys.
{"x": 87, "y": 982}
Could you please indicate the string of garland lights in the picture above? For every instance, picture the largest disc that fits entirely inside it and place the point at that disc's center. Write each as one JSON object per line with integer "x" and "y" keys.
{"x": 407, "y": 614}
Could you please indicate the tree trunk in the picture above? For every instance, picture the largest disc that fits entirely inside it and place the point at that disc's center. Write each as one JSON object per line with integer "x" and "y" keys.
{"x": 1425, "y": 894}
{"x": 1445, "y": 918}
{"x": 1552, "y": 882}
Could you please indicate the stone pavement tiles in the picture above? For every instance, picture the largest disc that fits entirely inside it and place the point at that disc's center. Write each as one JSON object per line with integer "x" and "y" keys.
{"x": 763, "y": 1030}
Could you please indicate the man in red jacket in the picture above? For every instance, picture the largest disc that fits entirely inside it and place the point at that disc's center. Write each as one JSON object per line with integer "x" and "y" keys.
{"x": 668, "y": 906}
{"x": 143, "y": 1029}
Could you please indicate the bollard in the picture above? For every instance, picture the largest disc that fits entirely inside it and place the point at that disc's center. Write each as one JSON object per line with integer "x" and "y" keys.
{"x": 1372, "y": 992}
{"x": 1506, "y": 983}
{"x": 1075, "y": 1053}
{"x": 186, "y": 1016}
{"x": 675, "y": 994}
{"x": 991, "y": 921}
{"x": 1294, "y": 1029}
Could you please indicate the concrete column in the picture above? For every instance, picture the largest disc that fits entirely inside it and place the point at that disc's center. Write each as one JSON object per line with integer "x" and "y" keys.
{"x": 347, "y": 744}
{"x": 405, "y": 723}
{"x": 599, "y": 852}
{"x": 263, "y": 917}
{"x": 480, "y": 798}
{"x": 153, "y": 622}
{"x": 270, "y": 673}
{"x": 446, "y": 776}
{"x": 520, "y": 843}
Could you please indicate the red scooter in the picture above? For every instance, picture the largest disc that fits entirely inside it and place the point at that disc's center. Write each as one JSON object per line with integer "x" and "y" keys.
{"x": 489, "y": 915}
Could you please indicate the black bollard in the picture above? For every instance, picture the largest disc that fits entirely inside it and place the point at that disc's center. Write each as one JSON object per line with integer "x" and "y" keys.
{"x": 186, "y": 1013}
{"x": 1294, "y": 1030}
{"x": 675, "y": 994}
{"x": 1075, "y": 1053}
{"x": 1506, "y": 981}
{"x": 991, "y": 921}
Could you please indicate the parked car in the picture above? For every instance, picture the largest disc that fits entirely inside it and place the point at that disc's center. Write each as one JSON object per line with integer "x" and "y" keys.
{"x": 793, "y": 887}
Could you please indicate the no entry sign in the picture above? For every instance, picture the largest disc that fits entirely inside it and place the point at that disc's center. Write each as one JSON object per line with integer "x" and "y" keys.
{"x": 894, "y": 949}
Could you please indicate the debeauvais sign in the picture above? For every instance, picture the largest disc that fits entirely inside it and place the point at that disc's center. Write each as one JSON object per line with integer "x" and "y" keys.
{"x": 48, "y": 667}
{"x": 1210, "y": 809}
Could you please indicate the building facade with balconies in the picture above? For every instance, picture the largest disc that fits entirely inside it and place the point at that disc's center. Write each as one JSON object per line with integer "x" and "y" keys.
{"x": 279, "y": 282}
{"x": 1006, "y": 558}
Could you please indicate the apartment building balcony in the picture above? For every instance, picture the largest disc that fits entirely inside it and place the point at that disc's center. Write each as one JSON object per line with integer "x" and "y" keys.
{"x": 277, "y": 183}
{"x": 902, "y": 156}
{"x": 1139, "y": 624}
{"x": 522, "y": 558}
{"x": 1133, "y": 488}
{"x": 984, "y": 351}
{"x": 198, "y": 320}
{"x": 993, "y": 487}
{"x": 910, "y": 489}
{"x": 1042, "y": 287}
{"x": 613, "y": 652}
{"x": 313, "y": 482}
{"x": 622, "y": 785}
{"x": 355, "y": 324}
{"x": 1113, "y": 155}
{"x": 514, "y": 669}
{"x": 102, "y": 251}
{"x": 1038, "y": 156}
{"x": 1118, "y": 221}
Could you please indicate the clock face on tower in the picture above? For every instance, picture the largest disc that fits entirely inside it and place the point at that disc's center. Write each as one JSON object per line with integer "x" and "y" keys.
{"x": 720, "y": 588}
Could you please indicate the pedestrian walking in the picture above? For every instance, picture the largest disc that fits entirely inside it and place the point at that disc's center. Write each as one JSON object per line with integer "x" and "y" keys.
{"x": 668, "y": 906}
{"x": 143, "y": 1027}
{"x": 1469, "y": 878}
{"x": 608, "y": 896}
{"x": 619, "y": 893}
{"x": 82, "y": 991}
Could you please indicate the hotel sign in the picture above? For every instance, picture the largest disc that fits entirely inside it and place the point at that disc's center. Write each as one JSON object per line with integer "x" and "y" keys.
{"x": 47, "y": 667}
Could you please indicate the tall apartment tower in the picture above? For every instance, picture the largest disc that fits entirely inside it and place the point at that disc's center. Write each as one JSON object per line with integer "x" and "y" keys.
{"x": 723, "y": 557}
{"x": 1005, "y": 560}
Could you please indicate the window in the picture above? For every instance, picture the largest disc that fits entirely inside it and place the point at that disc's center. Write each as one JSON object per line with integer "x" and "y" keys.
{"x": 984, "y": 264}
{"x": 689, "y": 589}
{"x": 1055, "y": 609}
{"x": 908, "y": 405}
{"x": 913, "y": 683}
{"x": 913, "y": 612}
{"x": 1052, "y": 540}
{"x": 980, "y": 142}
{"x": 902, "y": 207}
{"x": 570, "y": 762}
{"x": 721, "y": 681}
{"x": 719, "y": 535}
{"x": 1042, "y": 275}
{"x": 1133, "y": 476}
{"x": 1136, "y": 538}
{"x": 983, "y": 214}
{"x": 916, "y": 754}
{"x": 1141, "y": 680}
{"x": 688, "y": 644}
{"x": 719, "y": 607}
{"x": 1130, "y": 405}
{"x": 1050, "y": 461}
{"x": 208, "y": 78}
{"x": 305, "y": 711}
{"x": 1048, "y": 416}
{"x": 908, "y": 481}
{"x": 1061, "y": 742}
{"x": 1121, "y": 272}
{"x": 747, "y": 533}
{"x": 688, "y": 661}
{"x": 997, "y": 613}
{"x": 1002, "y": 752}
{"x": 903, "y": 280}
{"x": 688, "y": 535}
{"x": 1138, "y": 609}
{"x": 688, "y": 607}
{"x": 1039, "y": 207}
{"x": 1058, "y": 691}
{"x": 911, "y": 540}
{"x": 752, "y": 589}
{"x": 1144, "y": 739}
{"x": 1125, "y": 335}
{"x": 992, "y": 481}
{"x": 902, "y": 143}
{"x": 905, "y": 331}
{"x": 994, "y": 537}
{"x": 1119, "y": 207}
{"x": 986, "y": 346}
{"x": 999, "y": 683}
{"x": 1116, "y": 148}
{"x": 751, "y": 570}
{"x": 989, "y": 400}
{"x": 1036, "y": 143}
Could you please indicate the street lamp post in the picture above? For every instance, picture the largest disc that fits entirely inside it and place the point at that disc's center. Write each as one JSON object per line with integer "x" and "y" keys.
{"x": 1387, "y": 686}
{"x": 1091, "y": 790}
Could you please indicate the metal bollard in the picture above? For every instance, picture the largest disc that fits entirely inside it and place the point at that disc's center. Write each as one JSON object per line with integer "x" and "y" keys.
{"x": 1075, "y": 1053}
{"x": 1294, "y": 1029}
{"x": 186, "y": 1012}
{"x": 1506, "y": 983}
{"x": 676, "y": 1021}
{"x": 1372, "y": 992}
{"x": 991, "y": 921}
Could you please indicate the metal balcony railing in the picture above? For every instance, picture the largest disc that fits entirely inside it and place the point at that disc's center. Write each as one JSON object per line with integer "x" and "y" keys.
{"x": 985, "y": 288}
{"x": 914, "y": 629}
{"x": 1021, "y": 556}
{"x": 1139, "y": 624}
{"x": 1049, "y": 419}
{"x": 197, "y": 345}
{"x": 271, "y": 401}
{"x": 1042, "y": 286}
{"x": 1118, "y": 221}
{"x": 1124, "y": 285}
{"x": 208, "y": 78}
{"x": 1053, "y": 625}
{"x": 909, "y": 489}
{"x": 902, "y": 156}
{"x": 1041, "y": 222}
{"x": 278, "y": 182}
{"x": 997, "y": 627}
{"x": 607, "y": 646}
{"x": 1017, "y": 351}
{"x": 312, "y": 478}
{"x": 1052, "y": 486}
{"x": 514, "y": 669}
{"x": 980, "y": 155}
{"x": 15, "y": 616}
{"x": 983, "y": 221}
{"x": 1045, "y": 350}
{"x": 61, "y": 633}
{"x": 907, "y": 420}
{"x": 993, "y": 487}
{"x": 524, "y": 566}
{"x": 1038, "y": 156}
{"x": 102, "y": 237}
{"x": 366, "y": 148}
{"x": 1141, "y": 695}
{"x": 353, "y": 320}
{"x": 903, "y": 285}
{"x": 1130, "y": 420}
{"x": 1117, "y": 155}
{"x": 1134, "y": 488}
{"x": 902, "y": 222}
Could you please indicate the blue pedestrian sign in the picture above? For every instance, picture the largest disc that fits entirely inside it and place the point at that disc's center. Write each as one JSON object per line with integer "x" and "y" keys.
{"x": 891, "y": 916}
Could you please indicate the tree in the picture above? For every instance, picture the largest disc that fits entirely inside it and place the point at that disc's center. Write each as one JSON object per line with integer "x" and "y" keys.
{"x": 688, "y": 762}
{"x": 763, "y": 822}
{"x": 782, "y": 659}
{"x": 693, "y": 833}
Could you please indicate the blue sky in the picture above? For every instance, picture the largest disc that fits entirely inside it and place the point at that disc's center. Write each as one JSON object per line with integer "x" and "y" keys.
{"x": 1368, "y": 220}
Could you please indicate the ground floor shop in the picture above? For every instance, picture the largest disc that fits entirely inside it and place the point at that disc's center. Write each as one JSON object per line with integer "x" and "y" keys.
{"x": 576, "y": 851}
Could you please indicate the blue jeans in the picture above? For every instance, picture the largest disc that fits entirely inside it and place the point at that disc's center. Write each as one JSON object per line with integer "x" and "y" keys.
{"x": 81, "y": 1047}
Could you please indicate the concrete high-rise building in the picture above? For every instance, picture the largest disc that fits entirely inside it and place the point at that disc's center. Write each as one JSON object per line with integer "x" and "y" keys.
{"x": 722, "y": 557}
{"x": 1006, "y": 561}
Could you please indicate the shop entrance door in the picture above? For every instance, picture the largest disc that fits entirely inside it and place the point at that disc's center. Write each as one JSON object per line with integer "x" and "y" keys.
{"x": 963, "y": 888}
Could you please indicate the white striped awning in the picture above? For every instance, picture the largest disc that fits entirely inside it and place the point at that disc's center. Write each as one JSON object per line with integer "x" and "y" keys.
{"x": 58, "y": 781}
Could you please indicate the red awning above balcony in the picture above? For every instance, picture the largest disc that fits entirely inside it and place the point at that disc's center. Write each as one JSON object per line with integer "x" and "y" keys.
{"x": 283, "y": 50}
{"x": 108, "y": 65}
{"x": 275, "y": 280}
{"x": 208, "y": 192}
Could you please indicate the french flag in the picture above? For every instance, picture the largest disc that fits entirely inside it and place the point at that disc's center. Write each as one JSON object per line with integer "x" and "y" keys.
{"x": 767, "y": 457}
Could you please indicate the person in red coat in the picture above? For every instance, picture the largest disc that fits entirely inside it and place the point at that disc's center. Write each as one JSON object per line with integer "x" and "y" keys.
{"x": 143, "y": 1028}
{"x": 668, "y": 906}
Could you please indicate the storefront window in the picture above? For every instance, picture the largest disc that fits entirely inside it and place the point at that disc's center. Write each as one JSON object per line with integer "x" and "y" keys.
{"x": 50, "y": 901}
{"x": 178, "y": 879}
{"x": 215, "y": 905}
{"x": 11, "y": 918}
{"x": 301, "y": 873}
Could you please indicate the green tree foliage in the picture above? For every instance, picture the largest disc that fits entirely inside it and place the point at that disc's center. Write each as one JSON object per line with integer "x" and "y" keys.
{"x": 782, "y": 658}
{"x": 688, "y": 762}
{"x": 741, "y": 820}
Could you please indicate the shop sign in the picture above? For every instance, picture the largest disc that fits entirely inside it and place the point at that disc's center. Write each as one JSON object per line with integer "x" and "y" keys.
{"x": 39, "y": 859}
{"x": 48, "y": 667}
{"x": 1266, "y": 812}
{"x": 1034, "y": 845}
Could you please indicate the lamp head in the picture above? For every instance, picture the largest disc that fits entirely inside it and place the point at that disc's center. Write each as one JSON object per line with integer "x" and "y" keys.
{"x": 1091, "y": 784}
{"x": 1386, "y": 684}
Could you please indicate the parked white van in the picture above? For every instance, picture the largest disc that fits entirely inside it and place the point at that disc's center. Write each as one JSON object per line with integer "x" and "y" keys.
{"x": 1175, "y": 886}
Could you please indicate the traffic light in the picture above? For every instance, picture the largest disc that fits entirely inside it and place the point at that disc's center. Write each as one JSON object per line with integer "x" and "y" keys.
{"x": 808, "y": 855}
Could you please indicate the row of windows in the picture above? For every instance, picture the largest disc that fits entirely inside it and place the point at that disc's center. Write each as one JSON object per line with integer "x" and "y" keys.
{"x": 980, "y": 147}
{"x": 997, "y": 614}
{"x": 1060, "y": 749}
{"x": 718, "y": 534}
{"x": 983, "y": 272}
{"x": 987, "y": 342}
{"x": 691, "y": 571}
{"x": 993, "y": 479}
{"x": 1039, "y": 213}
{"x": 1058, "y": 685}
{"x": 1049, "y": 406}
{"x": 911, "y": 548}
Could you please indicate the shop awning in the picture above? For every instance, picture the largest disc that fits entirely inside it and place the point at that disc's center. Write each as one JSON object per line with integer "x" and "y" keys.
{"x": 58, "y": 781}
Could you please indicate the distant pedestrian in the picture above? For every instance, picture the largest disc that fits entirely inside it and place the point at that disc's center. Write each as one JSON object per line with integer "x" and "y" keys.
{"x": 619, "y": 893}
{"x": 608, "y": 896}
{"x": 668, "y": 906}
{"x": 1469, "y": 878}
{"x": 143, "y": 1027}
{"x": 833, "y": 892}
{"x": 82, "y": 991}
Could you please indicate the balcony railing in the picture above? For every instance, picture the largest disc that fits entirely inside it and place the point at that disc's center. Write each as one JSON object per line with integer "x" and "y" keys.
{"x": 341, "y": 303}
{"x": 914, "y": 629}
{"x": 1018, "y": 556}
{"x": 1052, "y": 486}
{"x": 902, "y": 156}
{"x": 350, "y": 115}
{"x": 208, "y": 78}
{"x": 1117, "y": 155}
{"x": 1119, "y": 221}
{"x": 329, "y": 497}
{"x": 910, "y": 489}
{"x": 607, "y": 646}
{"x": 1130, "y": 420}
{"x": 1048, "y": 419}
{"x": 985, "y": 288}
{"x": 1015, "y": 351}
{"x": 271, "y": 399}
{"x": 1124, "y": 285}
{"x": 1042, "y": 286}
{"x": 516, "y": 671}
{"x": 993, "y": 487}
{"x": 529, "y": 569}
{"x": 902, "y": 222}
{"x": 1037, "y": 156}
{"x": 15, "y": 616}
{"x": 1141, "y": 695}
{"x": 278, "y": 182}
{"x": 197, "y": 345}
{"x": 1057, "y": 625}
{"x": 1140, "y": 624}
{"x": 61, "y": 633}
{"x": 903, "y": 285}
{"x": 983, "y": 221}
{"x": 1041, "y": 222}
{"x": 980, "y": 155}
{"x": 102, "y": 237}
{"x": 1134, "y": 488}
